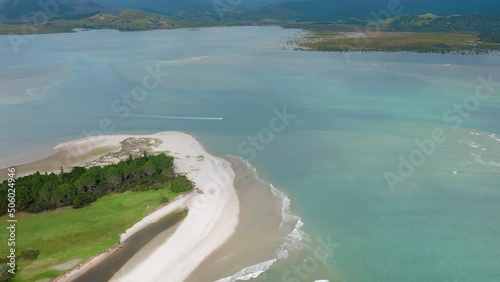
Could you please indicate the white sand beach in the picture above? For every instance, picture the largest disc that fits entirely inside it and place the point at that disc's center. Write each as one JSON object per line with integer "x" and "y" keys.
{"x": 212, "y": 218}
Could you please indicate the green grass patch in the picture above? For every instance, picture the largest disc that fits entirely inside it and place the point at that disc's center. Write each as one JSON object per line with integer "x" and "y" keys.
{"x": 65, "y": 234}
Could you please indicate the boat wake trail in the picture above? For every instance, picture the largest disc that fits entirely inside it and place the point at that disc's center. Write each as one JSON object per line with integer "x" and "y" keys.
{"x": 176, "y": 117}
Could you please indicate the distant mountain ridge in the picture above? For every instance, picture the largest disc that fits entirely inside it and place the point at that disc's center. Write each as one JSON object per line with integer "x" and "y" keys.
{"x": 175, "y": 6}
{"x": 305, "y": 10}
{"x": 15, "y": 9}
{"x": 345, "y": 9}
{"x": 480, "y": 16}
{"x": 450, "y": 7}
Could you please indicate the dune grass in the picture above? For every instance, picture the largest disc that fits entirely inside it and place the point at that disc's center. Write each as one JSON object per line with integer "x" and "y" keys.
{"x": 66, "y": 233}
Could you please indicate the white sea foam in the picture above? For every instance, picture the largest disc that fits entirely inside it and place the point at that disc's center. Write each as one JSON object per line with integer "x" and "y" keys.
{"x": 292, "y": 241}
{"x": 249, "y": 166}
{"x": 479, "y": 159}
{"x": 282, "y": 254}
{"x": 476, "y": 146}
{"x": 494, "y": 137}
{"x": 276, "y": 192}
{"x": 249, "y": 272}
{"x": 286, "y": 213}
{"x": 473, "y": 145}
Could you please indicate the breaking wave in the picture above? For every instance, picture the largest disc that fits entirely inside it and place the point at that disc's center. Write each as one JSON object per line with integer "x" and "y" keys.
{"x": 287, "y": 215}
{"x": 294, "y": 237}
{"x": 249, "y": 272}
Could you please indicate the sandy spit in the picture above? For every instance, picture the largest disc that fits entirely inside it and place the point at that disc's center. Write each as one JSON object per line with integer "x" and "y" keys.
{"x": 212, "y": 218}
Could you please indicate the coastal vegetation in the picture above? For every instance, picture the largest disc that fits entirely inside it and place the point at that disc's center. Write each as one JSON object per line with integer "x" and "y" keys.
{"x": 421, "y": 42}
{"x": 128, "y": 20}
{"x": 74, "y": 215}
{"x": 486, "y": 26}
{"x": 68, "y": 234}
{"x": 79, "y": 187}
{"x": 426, "y": 33}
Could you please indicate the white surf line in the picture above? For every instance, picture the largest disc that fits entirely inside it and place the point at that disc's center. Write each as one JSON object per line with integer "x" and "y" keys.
{"x": 176, "y": 117}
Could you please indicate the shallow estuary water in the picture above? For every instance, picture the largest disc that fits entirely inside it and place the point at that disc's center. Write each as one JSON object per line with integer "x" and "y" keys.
{"x": 329, "y": 131}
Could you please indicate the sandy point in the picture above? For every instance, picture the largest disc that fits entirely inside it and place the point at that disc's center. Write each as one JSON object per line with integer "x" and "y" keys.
{"x": 212, "y": 218}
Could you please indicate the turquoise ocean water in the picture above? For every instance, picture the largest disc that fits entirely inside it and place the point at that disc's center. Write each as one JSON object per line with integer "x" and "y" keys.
{"x": 350, "y": 121}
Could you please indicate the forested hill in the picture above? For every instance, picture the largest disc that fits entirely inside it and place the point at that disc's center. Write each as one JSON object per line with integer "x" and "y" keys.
{"x": 79, "y": 187}
{"x": 487, "y": 25}
{"x": 479, "y": 17}
{"x": 17, "y": 9}
{"x": 332, "y": 10}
